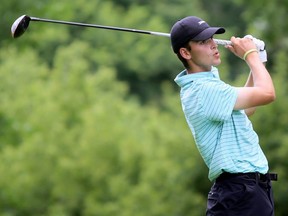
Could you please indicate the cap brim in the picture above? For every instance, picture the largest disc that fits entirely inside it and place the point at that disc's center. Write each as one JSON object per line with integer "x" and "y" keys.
{"x": 208, "y": 33}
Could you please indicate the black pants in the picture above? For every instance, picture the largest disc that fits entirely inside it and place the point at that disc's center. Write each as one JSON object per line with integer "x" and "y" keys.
{"x": 241, "y": 195}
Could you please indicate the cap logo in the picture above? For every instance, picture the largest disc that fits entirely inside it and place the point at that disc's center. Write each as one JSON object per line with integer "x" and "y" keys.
{"x": 201, "y": 22}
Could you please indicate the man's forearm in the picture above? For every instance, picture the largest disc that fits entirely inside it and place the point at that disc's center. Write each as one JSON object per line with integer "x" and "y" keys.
{"x": 250, "y": 83}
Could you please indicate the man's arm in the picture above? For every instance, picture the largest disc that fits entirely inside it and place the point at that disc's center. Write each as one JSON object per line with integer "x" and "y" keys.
{"x": 250, "y": 83}
{"x": 262, "y": 92}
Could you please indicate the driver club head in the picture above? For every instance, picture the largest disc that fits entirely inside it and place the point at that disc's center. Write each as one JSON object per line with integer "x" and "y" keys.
{"x": 20, "y": 25}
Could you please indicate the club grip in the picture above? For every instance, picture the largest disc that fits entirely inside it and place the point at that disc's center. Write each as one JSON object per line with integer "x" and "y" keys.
{"x": 222, "y": 42}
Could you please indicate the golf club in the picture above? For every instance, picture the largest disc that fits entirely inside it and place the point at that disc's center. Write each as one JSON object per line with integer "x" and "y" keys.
{"x": 21, "y": 24}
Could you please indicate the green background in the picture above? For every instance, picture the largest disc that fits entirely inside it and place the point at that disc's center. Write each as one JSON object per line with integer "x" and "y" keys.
{"x": 90, "y": 119}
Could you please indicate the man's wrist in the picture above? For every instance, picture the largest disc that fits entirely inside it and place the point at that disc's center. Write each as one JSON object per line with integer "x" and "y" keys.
{"x": 248, "y": 53}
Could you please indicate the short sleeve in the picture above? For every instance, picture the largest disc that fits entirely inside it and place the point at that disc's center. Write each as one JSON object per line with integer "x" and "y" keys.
{"x": 218, "y": 100}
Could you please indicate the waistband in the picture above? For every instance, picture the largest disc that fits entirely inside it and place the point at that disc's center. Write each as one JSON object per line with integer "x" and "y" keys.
{"x": 253, "y": 175}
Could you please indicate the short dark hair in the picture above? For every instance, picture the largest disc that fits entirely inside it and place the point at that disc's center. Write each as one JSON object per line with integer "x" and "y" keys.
{"x": 183, "y": 60}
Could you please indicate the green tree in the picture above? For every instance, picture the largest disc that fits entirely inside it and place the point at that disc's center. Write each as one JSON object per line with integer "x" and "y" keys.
{"x": 87, "y": 148}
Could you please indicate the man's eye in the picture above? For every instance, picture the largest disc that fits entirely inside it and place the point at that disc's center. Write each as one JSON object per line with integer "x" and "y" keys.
{"x": 205, "y": 41}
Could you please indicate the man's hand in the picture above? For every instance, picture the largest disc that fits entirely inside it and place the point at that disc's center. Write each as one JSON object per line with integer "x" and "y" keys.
{"x": 260, "y": 47}
{"x": 242, "y": 47}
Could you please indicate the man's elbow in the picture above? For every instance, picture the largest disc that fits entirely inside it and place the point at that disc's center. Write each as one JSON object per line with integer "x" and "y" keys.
{"x": 270, "y": 97}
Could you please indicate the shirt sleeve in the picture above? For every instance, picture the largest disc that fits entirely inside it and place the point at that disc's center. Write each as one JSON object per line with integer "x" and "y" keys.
{"x": 218, "y": 100}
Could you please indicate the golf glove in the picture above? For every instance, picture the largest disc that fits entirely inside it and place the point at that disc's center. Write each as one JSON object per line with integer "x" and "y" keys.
{"x": 260, "y": 47}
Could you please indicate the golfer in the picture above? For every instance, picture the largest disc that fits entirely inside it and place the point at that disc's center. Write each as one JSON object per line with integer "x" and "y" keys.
{"x": 216, "y": 113}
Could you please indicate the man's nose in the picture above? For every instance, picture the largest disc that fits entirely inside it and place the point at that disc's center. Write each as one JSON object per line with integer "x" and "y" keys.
{"x": 214, "y": 45}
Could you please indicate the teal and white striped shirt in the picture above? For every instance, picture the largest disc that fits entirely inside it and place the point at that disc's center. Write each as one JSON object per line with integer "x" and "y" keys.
{"x": 225, "y": 137}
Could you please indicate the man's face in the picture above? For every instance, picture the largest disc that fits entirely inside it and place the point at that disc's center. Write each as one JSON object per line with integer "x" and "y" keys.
{"x": 203, "y": 55}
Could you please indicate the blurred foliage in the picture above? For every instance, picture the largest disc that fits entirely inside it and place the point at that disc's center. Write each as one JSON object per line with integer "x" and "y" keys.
{"x": 90, "y": 119}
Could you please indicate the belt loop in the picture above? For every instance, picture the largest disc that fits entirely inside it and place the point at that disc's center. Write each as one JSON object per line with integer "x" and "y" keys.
{"x": 257, "y": 177}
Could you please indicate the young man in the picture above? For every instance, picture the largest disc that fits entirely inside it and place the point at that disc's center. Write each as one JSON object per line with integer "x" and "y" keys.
{"x": 217, "y": 116}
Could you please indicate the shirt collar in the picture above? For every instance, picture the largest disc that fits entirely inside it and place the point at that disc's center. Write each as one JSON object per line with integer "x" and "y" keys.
{"x": 183, "y": 78}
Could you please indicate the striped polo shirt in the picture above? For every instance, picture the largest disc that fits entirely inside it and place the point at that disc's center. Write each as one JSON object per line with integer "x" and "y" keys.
{"x": 224, "y": 137}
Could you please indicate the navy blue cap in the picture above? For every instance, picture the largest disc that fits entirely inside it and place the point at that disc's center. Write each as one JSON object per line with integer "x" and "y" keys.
{"x": 191, "y": 28}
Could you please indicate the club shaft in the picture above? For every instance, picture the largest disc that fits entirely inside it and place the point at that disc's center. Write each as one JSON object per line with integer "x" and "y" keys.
{"x": 99, "y": 26}
{"x": 218, "y": 41}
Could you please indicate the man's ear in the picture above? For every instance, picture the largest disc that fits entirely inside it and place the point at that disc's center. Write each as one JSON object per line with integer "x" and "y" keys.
{"x": 185, "y": 53}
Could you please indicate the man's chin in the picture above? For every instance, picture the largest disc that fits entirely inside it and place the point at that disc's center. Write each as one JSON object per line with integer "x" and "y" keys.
{"x": 217, "y": 63}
